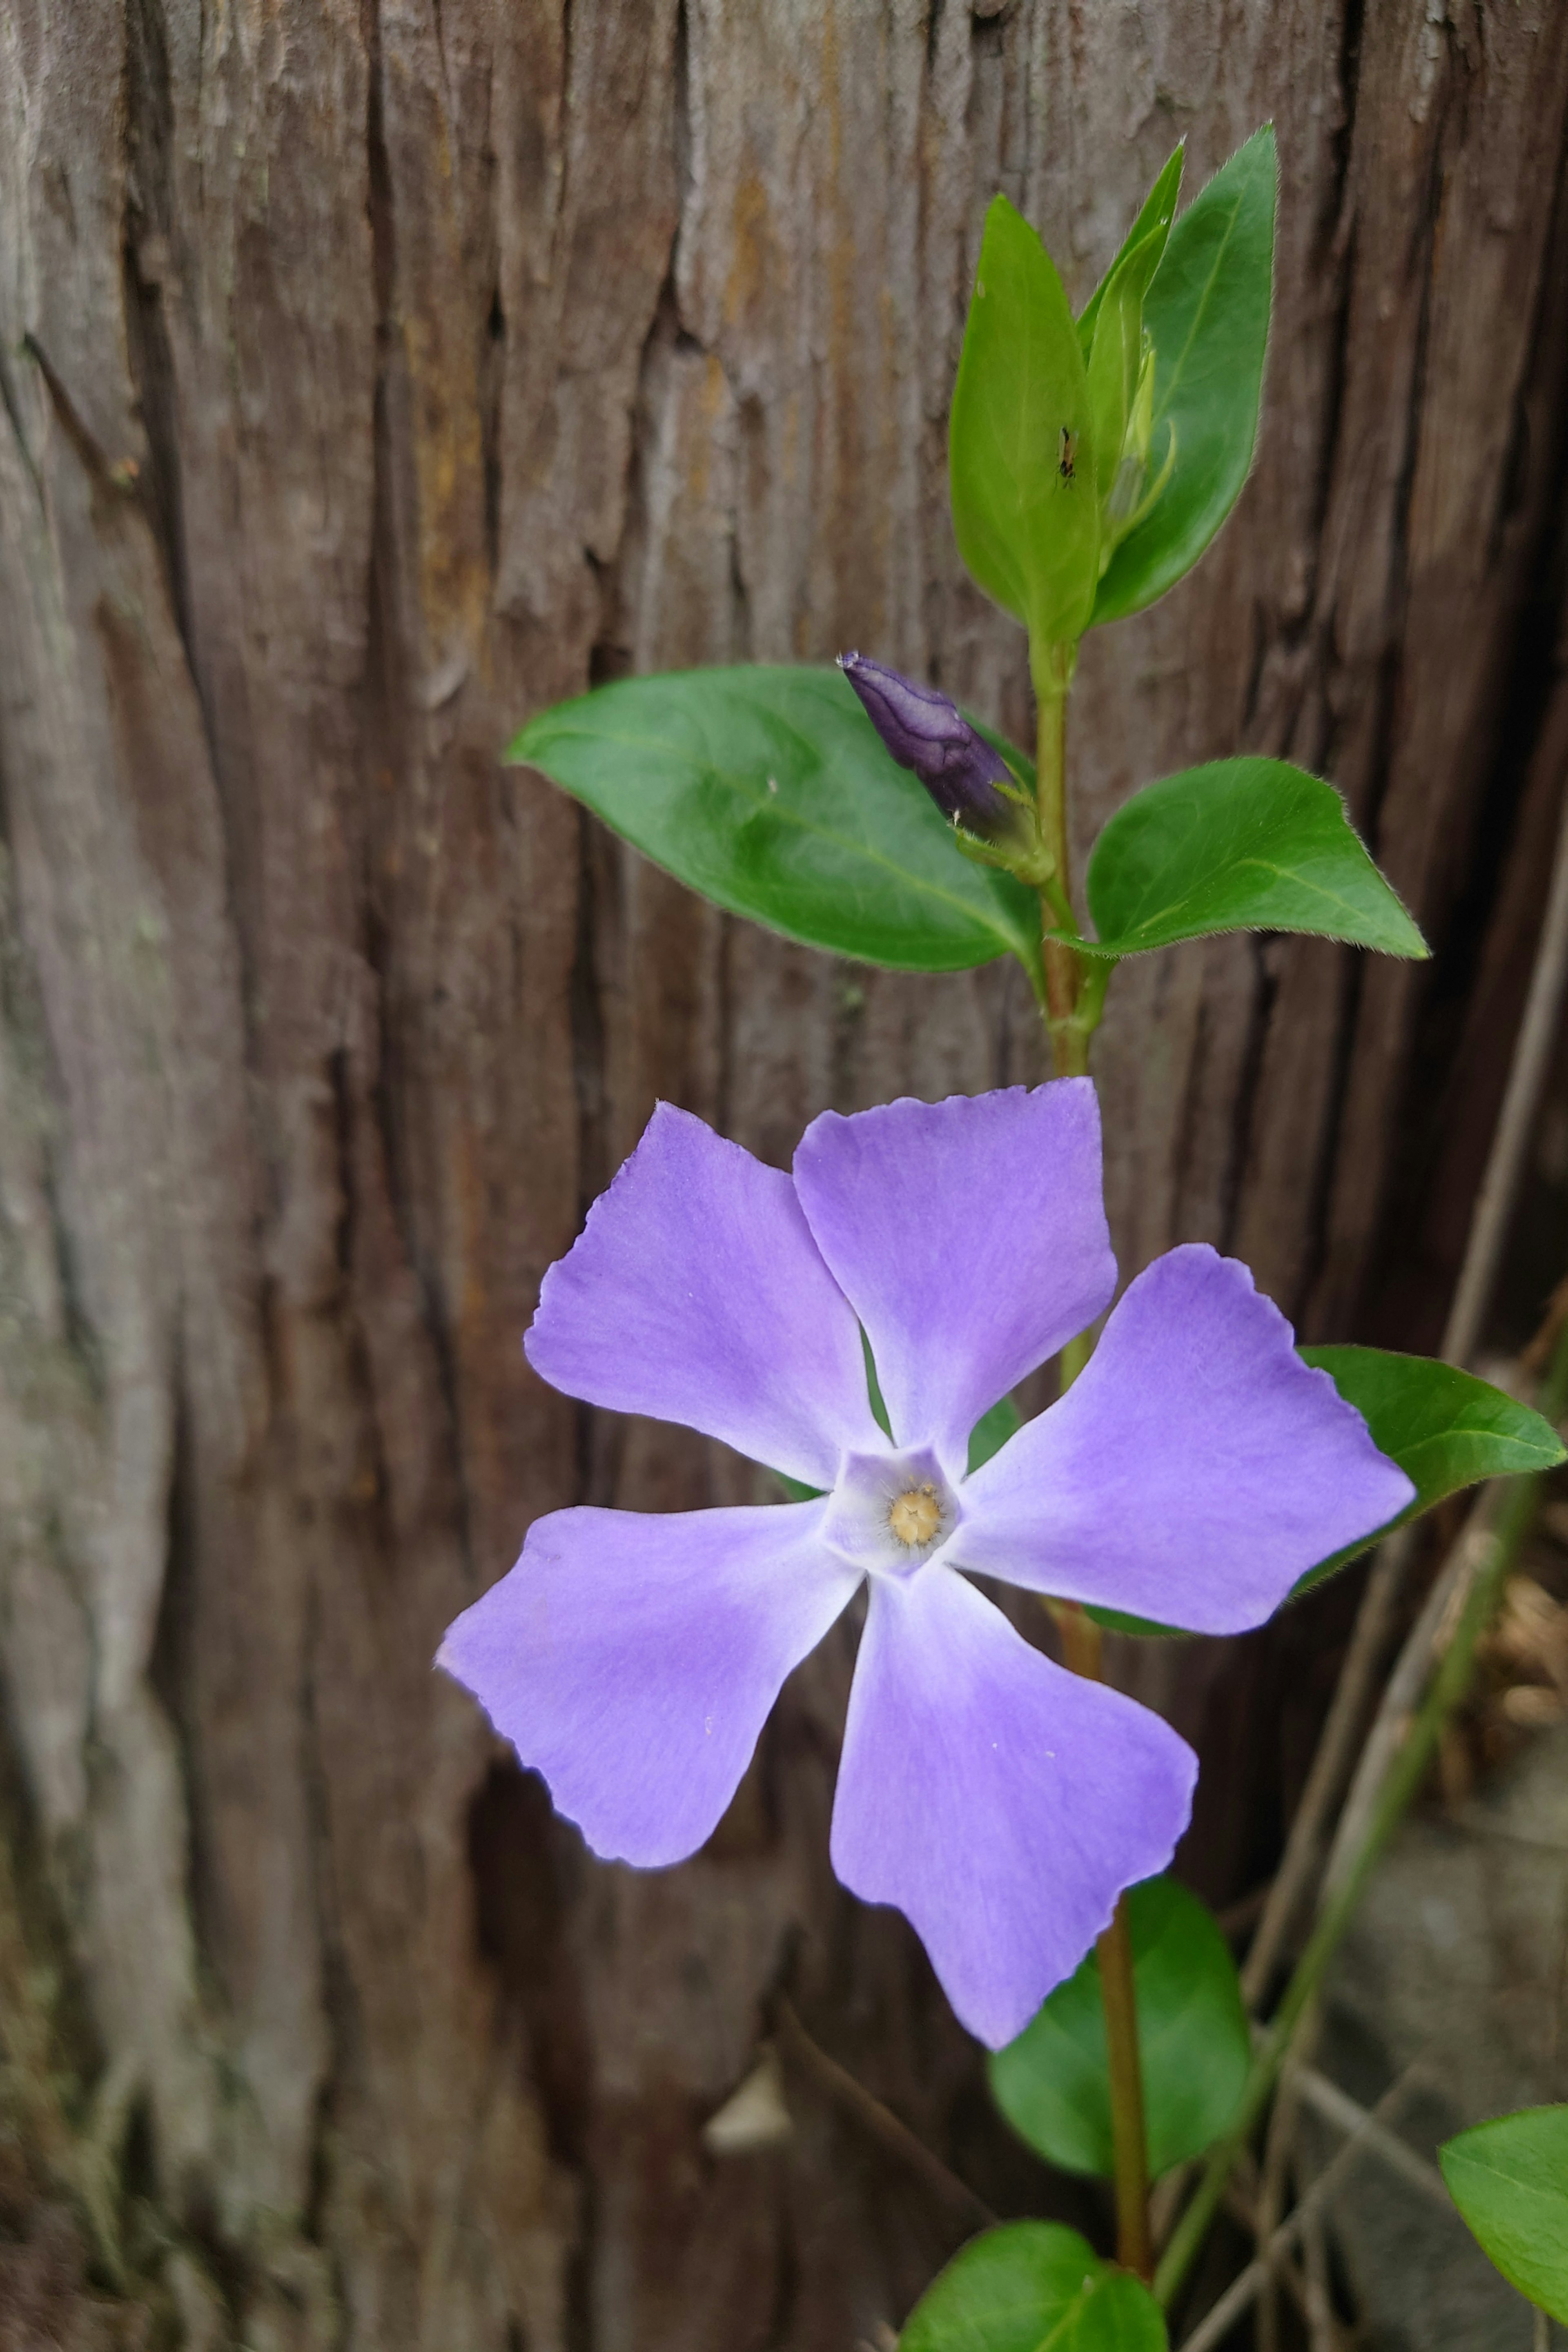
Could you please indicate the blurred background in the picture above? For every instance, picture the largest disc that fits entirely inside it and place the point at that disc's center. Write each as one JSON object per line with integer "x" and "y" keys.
{"x": 374, "y": 374}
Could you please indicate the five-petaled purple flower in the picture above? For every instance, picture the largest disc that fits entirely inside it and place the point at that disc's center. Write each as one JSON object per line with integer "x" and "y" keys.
{"x": 1195, "y": 1470}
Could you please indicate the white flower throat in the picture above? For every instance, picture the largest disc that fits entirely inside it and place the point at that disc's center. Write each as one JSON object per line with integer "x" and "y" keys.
{"x": 891, "y": 1513}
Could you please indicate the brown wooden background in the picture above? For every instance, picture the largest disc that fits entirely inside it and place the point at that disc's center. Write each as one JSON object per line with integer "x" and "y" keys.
{"x": 392, "y": 367}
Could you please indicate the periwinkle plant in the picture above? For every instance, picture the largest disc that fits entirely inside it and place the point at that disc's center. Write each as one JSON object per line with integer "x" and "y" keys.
{"x": 1197, "y": 1469}
{"x": 858, "y": 1325}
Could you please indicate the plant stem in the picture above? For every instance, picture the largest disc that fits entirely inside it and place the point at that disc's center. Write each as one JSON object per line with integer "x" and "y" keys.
{"x": 1064, "y": 971}
{"x": 1129, "y": 2136}
{"x": 1075, "y": 994}
{"x": 1407, "y": 1771}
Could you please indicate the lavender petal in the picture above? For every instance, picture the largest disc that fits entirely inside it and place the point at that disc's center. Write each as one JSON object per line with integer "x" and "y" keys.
{"x": 1195, "y": 1470}
{"x": 633, "y": 1660}
{"x": 998, "y": 1802}
{"x": 696, "y": 1292}
{"x": 969, "y": 1238}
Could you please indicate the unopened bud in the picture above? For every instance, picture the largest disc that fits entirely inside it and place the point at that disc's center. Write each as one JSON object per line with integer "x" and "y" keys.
{"x": 970, "y": 783}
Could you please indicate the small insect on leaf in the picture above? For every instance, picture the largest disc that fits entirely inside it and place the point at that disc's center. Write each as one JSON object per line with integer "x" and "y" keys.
{"x": 1067, "y": 459}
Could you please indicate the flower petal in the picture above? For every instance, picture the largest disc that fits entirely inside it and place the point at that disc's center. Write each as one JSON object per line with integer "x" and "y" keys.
{"x": 632, "y": 1659}
{"x": 969, "y": 1236}
{"x": 1193, "y": 1472}
{"x": 999, "y": 1801}
{"x": 695, "y": 1292}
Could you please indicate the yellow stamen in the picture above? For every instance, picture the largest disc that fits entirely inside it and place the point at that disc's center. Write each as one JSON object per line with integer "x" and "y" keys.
{"x": 916, "y": 1515}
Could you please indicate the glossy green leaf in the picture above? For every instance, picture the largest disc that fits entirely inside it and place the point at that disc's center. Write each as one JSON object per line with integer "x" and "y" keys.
{"x": 1207, "y": 314}
{"x": 1157, "y": 212}
{"x": 1020, "y": 448}
{"x": 769, "y": 791}
{"x": 1248, "y": 844}
{"x": 1052, "y": 2085}
{"x": 1444, "y": 1428}
{"x": 1033, "y": 2286}
{"x": 1509, "y": 2180}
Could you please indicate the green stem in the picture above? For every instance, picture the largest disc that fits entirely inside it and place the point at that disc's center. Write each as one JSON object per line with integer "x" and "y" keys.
{"x": 1052, "y": 676}
{"x": 1074, "y": 998}
{"x": 1405, "y": 1773}
{"x": 1063, "y": 968}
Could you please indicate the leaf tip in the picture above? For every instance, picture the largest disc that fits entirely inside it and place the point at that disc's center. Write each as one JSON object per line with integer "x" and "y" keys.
{"x": 1413, "y": 943}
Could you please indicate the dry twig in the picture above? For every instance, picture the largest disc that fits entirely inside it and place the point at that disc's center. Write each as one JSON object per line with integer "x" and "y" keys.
{"x": 878, "y": 2121}
{"x": 1216, "y": 2326}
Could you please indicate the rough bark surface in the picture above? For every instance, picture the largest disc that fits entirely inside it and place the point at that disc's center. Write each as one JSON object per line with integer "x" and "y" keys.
{"x": 376, "y": 372}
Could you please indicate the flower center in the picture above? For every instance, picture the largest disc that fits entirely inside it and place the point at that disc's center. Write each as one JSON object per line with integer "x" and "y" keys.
{"x": 916, "y": 1514}
{"x": 891, "y": 1513}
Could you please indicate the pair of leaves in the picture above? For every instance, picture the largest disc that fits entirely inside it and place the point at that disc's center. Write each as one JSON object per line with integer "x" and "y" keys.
{"x": 1509, "y": 2180}
{"x": 1034, "y": 2286}
{"x": 1052, "y": 2083}
{"x": 1041, "y": 406}
{"x": 1445, "y": 1429}
{"x": 769, "y": 791}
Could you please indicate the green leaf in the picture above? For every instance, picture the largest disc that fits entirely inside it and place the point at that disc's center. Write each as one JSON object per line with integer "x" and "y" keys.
{"x": 1021, "y": 456}
{"x": 769, "y": 791}
{"x": 1052, "y": 2085}
{"x": 1117, "y": 356}
{"x": 1159, "y": 210}
{"x": 1146, "y": 1629}
{"x": 1509, "y": 2180}
{"x": 1208, "y": 315}
{"x": 1444, "y": 1428}
{"x": 991, "y": 1433}
{"x": 1033, "y": 2286}
{"x": 1240, "y": 844}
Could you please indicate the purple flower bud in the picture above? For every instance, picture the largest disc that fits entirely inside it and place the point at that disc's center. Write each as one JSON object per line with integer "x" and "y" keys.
{"x": 926, "y": 731}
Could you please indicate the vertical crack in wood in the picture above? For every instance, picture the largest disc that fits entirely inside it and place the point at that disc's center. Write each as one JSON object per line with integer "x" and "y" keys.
{"x": 1264, "y": 988}
{"x": 147, "y": 255}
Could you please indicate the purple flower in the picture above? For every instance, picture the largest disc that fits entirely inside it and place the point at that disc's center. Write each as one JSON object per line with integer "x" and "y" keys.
{"x": 926, "y": 731}
{"x": 1192, "y": 1472}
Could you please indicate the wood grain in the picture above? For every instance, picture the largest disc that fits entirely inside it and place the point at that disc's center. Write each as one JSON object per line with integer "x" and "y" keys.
{"x": 376, "y": 374}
